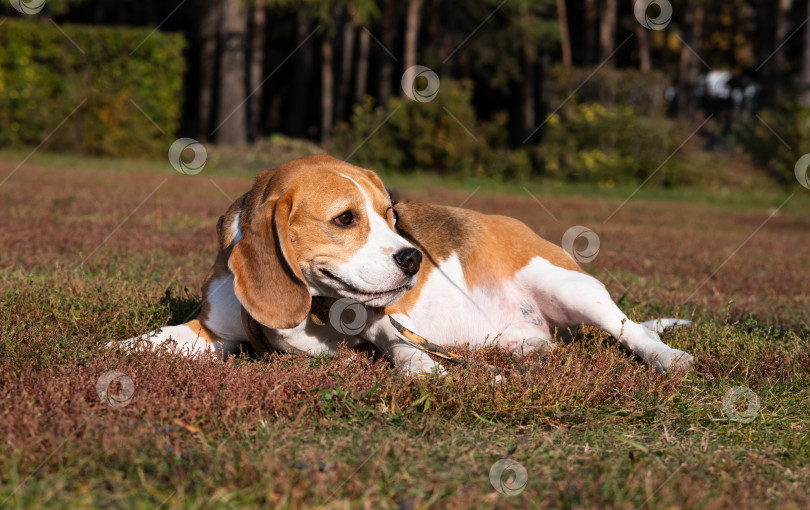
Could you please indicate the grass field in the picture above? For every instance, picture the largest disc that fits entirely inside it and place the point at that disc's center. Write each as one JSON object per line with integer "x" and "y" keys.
{"x": 95, "y": 251}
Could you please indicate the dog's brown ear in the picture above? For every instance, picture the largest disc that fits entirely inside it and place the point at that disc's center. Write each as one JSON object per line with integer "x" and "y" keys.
{"x": 267, "y": 278}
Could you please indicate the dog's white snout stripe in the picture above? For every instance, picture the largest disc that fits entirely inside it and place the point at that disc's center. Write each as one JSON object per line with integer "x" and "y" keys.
{"x": 378, "y": 225}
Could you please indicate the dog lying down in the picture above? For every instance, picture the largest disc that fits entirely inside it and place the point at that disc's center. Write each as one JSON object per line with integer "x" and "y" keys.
{"x": 317, "y": 230}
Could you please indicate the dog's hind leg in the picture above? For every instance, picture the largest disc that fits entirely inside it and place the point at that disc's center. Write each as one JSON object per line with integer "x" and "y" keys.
{"x": 570, "y": 298}
{"x": 523, "y": 338}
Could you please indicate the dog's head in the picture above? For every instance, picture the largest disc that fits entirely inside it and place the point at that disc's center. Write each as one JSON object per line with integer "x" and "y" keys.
{"x": 315, "y": 227}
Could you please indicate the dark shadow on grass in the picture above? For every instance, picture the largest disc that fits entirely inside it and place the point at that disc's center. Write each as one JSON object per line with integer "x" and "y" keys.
{"x": 182, "y": 308}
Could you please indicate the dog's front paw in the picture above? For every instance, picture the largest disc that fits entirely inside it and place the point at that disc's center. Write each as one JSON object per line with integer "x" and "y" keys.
{"x": 419, "y": 365}
{"x": 671, "y": 360}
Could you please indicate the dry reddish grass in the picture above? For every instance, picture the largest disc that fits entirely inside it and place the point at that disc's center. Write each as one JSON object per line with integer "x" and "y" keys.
{"x": 591, "y": 425}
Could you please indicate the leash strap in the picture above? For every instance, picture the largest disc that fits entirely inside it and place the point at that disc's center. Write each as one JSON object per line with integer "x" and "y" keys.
{"x": 408, "y": 337}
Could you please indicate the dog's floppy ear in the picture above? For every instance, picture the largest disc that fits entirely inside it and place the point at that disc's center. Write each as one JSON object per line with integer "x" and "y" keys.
{"x": 267, "y": 278}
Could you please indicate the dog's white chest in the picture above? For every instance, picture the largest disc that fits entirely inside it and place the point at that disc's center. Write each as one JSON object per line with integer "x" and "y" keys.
{"x": 448, "y": 312}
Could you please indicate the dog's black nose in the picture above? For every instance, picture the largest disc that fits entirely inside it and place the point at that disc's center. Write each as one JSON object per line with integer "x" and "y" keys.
{"x": 409, "y": 260}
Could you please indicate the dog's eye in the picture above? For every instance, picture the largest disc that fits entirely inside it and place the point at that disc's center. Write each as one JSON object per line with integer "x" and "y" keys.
{"x": 345, "y": 219}
{"x": 395, "y": 215}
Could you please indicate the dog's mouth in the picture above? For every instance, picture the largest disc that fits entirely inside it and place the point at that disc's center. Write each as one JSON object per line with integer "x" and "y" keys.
{"x": 364, "y": 295}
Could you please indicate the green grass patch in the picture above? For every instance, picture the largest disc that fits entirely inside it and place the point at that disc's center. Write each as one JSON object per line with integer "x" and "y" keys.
{"x": 748, "y": 191}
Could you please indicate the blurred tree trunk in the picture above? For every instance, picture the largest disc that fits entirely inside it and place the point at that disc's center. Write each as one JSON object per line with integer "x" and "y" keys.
{"x": 764, "y": 47}
{"x": 98, "y": 11}
{"x": 591, "y": 13}
{"x": 347, "y": 55}
{"x": 327, "y": 88}
{"x": 644, "y": 61}
{"x": 361, "y": 78}
{"x": 299, "y": 110}
{"x": 257, "y": 40}
{"x": 607, "y": 30}
{"x": 764, "y": 27}
{"x": 388, "y": 27}
{"x": 208, "y": 68}
{"x": 783, "y": 25}
{"x": 275, "y": 114}
{"x": 804, "y": 81}
{"x": 542, "y": 92}
{"x": 565, "y": 40}
{"x": 412, "y": 22}
{"x": 231, "y": 117}
{"x": 528, "y": 91}
{"x": 688, "y": 69}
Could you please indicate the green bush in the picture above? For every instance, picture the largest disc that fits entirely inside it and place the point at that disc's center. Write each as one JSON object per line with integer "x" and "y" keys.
{"x": 612, "y": 129}
{"x": 44, "y": 77}
{"x": 581, "y": 142}
{"x": 611, "y": 145}
{"x": 443, "y": 136}
{"x": 792, "y": 125}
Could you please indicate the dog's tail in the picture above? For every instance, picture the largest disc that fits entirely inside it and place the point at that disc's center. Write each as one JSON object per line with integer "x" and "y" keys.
{"x": 658, "y": 326}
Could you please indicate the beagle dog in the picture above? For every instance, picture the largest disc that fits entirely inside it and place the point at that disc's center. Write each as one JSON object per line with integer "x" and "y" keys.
{"x": 317, "y": 240}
